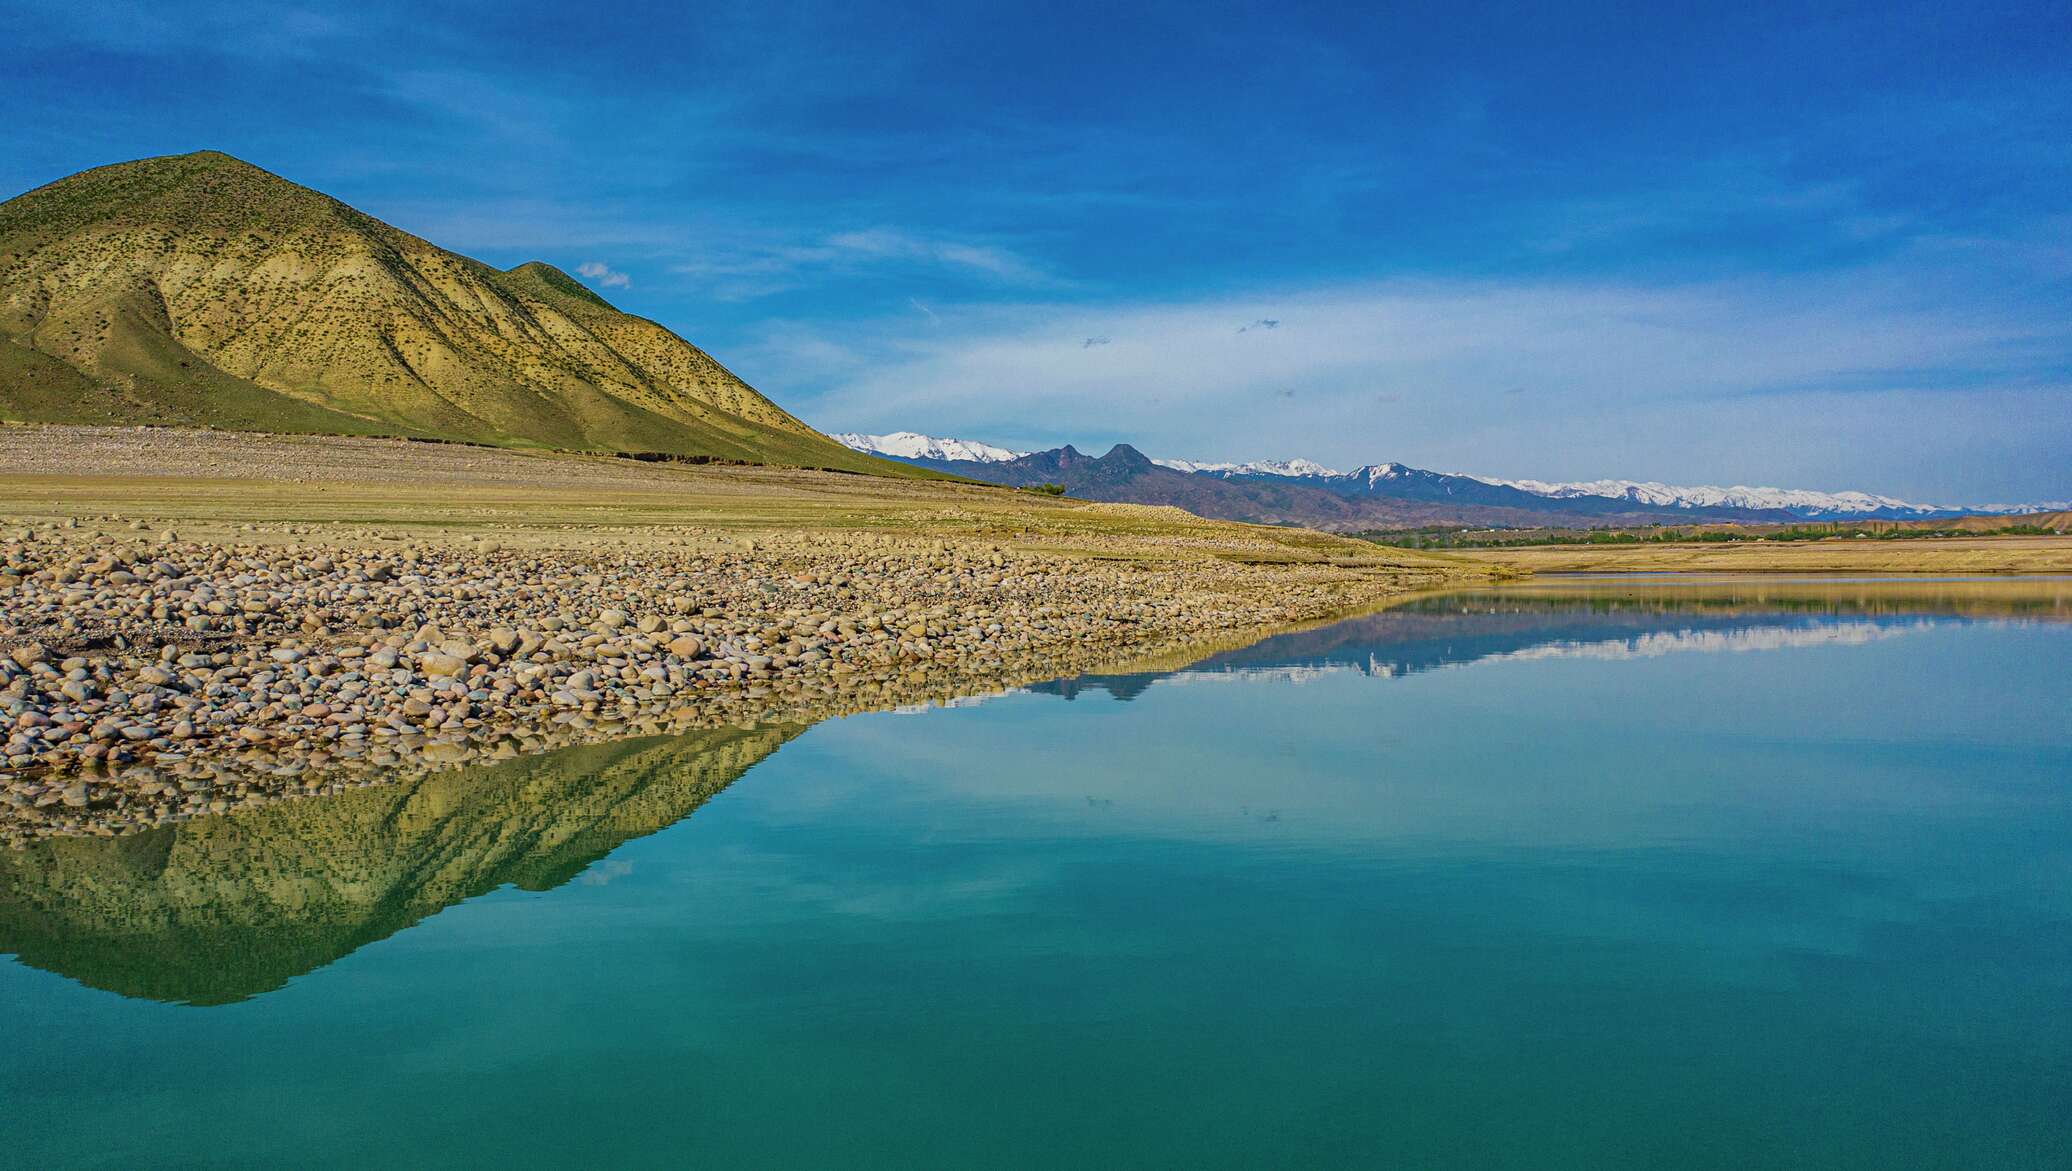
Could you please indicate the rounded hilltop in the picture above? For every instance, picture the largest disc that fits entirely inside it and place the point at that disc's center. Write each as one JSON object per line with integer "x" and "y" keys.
{"x": 202, "y": 290}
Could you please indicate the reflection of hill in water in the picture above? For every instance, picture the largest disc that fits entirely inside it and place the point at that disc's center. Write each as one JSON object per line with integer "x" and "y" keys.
{"x": 1443, "y": 630}
{"x": 223, "y": 908}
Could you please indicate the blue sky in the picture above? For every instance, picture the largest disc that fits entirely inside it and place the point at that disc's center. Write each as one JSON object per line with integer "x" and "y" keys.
{"x": 1816, "y": 245}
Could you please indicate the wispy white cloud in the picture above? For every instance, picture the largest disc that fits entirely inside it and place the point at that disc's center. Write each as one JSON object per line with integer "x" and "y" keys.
{"x": 892, "y": 244}
{"x": 603, "y": 275}
{"x": 750, "y": 266}
{"x": 1778, "y": 377}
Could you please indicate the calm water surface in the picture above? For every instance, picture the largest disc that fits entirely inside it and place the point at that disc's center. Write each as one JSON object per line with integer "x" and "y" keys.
{"x": 1585, "y": 874}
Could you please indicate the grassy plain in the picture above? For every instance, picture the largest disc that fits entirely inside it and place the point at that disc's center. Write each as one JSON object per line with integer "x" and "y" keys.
{"x": 209, "y": 482}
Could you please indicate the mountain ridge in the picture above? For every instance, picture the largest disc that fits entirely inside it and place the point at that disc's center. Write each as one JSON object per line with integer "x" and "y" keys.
{"x": 1472, "y": 497}
{"x": 911, "y": 445}
{"x": 202, "y": 290}
{"x": 1125, "y": 475}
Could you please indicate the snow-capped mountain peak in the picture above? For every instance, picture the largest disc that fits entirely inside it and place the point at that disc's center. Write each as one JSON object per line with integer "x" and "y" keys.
{"x": 1300, "y": 469}
{"x": 1804, "y": 501}
{"x": 1398, "y": 479}
{"x": 913, "y": 445}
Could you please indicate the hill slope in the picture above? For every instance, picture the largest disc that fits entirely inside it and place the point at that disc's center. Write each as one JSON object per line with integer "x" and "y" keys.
{"x": 200, "y": 290}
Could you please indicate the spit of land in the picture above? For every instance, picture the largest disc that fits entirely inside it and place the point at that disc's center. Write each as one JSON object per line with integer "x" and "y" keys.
{"x": 191, "y": 621}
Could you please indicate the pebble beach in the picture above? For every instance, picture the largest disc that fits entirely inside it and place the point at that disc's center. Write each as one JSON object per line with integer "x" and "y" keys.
{"x": 147, "y": 676}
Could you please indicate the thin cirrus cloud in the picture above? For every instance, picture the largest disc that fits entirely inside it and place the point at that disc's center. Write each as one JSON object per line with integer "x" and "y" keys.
{"x": 143, "y": 26}
{"x": 767, "y": 266}
{"x": 1748, "y": 380}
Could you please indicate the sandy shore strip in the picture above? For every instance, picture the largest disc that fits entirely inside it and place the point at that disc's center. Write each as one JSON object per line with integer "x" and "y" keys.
{"x": 2048, "y": 554}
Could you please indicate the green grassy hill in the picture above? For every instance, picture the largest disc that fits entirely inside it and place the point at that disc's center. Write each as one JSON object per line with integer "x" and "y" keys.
{"x": 199, "y": 290}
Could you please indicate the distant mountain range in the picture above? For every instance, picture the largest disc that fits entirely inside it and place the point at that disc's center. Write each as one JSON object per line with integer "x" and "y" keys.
{"x": 1387, "y": 495}
{"x": 199, "y": 290}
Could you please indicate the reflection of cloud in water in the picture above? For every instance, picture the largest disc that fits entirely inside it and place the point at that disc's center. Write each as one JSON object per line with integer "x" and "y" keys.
{"x": 1294, "y": 675}
{"x": 604, "y": 872}
{"x": 885, "y": 888}
{"x": 1758, "y": 638}
{"x": 916, "y": 709}
{"x": 1342, "y": 763}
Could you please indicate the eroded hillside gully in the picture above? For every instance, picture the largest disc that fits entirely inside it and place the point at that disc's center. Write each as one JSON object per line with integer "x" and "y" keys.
{"x": 146, "y": 678}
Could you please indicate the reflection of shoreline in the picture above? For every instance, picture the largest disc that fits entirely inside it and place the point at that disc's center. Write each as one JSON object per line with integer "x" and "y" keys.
{"x": 1651, "y": 646}
{"x": 1744, "y": 641}
{"x": 221, "y": 908}
{"x": 1606, "y": 619}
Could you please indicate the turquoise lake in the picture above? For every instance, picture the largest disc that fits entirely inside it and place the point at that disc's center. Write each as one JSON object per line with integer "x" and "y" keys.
{"x": 1586, "y": 874}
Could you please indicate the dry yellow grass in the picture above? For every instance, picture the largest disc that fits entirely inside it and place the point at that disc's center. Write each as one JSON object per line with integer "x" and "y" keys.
{"x": 345, "y": 489}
